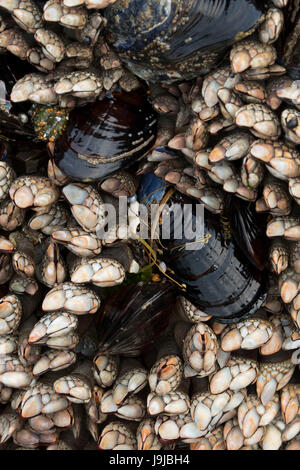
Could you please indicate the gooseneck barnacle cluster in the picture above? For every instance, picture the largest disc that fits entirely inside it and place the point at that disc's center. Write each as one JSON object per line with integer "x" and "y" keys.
{"x": 112, "y": 340}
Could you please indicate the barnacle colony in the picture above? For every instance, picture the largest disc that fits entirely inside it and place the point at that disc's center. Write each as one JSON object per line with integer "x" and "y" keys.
{"x": 144, "y": 343}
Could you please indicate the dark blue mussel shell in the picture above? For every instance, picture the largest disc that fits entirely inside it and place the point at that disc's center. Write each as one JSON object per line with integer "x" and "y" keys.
{"x": 177, "y": 39}
{"x": 220, "y": 276}
{"x": 107, "y": 135}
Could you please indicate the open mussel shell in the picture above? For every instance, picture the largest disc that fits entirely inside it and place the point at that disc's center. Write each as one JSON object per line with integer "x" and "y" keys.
{"x": 133, "y": 318}
{"x": 107, "y": 135}
{"x": 173, "y": 40}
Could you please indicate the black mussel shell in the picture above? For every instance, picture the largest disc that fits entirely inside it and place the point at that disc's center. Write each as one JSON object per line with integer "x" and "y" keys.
{"x": 219, "y": 278}
{"x": 107, "y": 135}
{"x": 133, "y": 319}
{"x": 177, "y": 39}
{"x": 289, "y": 44}
{"x": 248, "y": 229}
{"x": 219, "y": 275}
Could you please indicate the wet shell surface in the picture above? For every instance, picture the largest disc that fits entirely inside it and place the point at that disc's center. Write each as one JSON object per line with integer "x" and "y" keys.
{"x": 106, "y": 136}
{"x": 119, "y": 341}
{"x": 171, "y": 40}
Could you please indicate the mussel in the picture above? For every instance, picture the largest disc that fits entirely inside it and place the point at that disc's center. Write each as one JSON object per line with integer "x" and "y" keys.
{"x": 178, "y": 39}
{"x": 289, "y": 44}
{"x": 107, "y": 135}
{"x": 224, "y": 276}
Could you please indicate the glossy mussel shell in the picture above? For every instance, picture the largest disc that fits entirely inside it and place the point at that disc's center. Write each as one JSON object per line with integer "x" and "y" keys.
{"x": 218, "y": 277}
{"x": 177, "y": 39}
{"x": 107, "y": 135}
{"x": 215, "y": 275}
